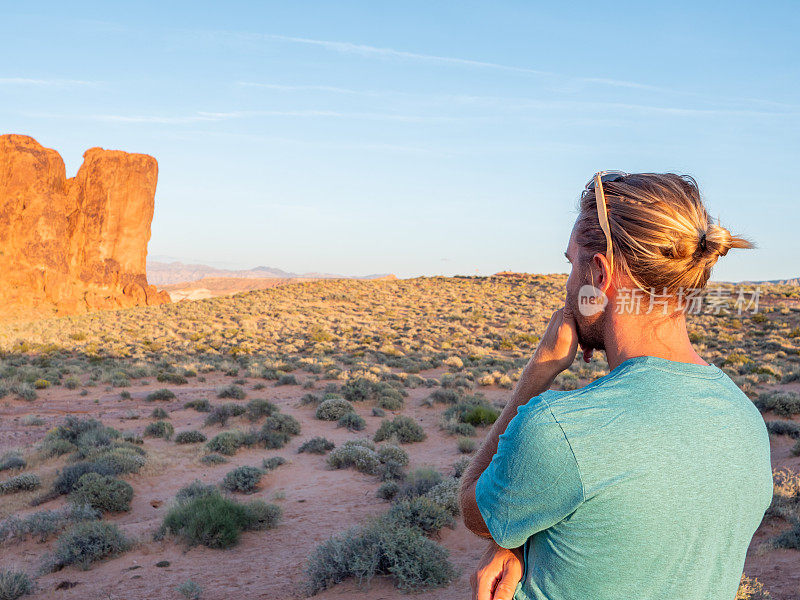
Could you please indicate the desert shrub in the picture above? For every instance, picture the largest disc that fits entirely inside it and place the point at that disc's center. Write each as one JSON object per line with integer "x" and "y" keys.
{"x": 473, "y": 410}
{"x": 316, "y": 445}
{"x": 390, "y": 398}
{"x": 88, "y": 542}
{"x": 421, "y": 513}
{"x": 102, "y": 492}
{"x": 789, "y": 428}
{"x": 796, "y": 448}
{"x": 390, "y": 452}
{"x": 273, "y": 440}
{"x": 209, "y": 519}
{"x": 359, "y": 389}
{"x": 445, "y": 494}
{"x": 405, "y": 429}
{"x": 277, "y": 430}
{"x": 242, "y": 479}
{"x": 162, "y": 394}
{"x": 458, "y": 428}
{"x": 68, "y": 476}
{"x": 460, "y": 466}
{"x": 190, "y": 590}
{"x": 352, "y": 421}
{"x": 262, "y": 516}
{"x": 190, "y": 437}
{"x": 413, "y": 561}
{"x": 159, "y": 413}
{"x": 390, "y": 402}
{"x": 377, "y": 411}
{"x": 751, "y": 589}
{"x": 132, "y": 437}
{"x": 388, "y": 490}
{"x": 481, "y": 415}
{"x": 286, "y": 379}
{"x": 273, "y": 462}
{"x": 194, "y": 490}
{"x": 362, "y": 442}
{"x": 119, "y": 461}
{"x": 171, "y": 377}
{"x": 466, "y": 445}
{"x": 72, "y": 382}
{"x": 14, "y": 584}
{"x": 283, "y": 423}
{"x": 233, "y": 391}
{"x": 11, "y": 461}
{"x": 258, "y": 408}
{"x": 82, "y": 436}
{"x": 162, "y": 429}
{"x": 391, "y": 470}
{"x": 333, "y": 409}
{"x": 419, "y": 482}
{"x": 789, "y": 538}
{"x": 24, "y": 482}
{"x": 201, "y": 405}
{"x": 227, "y": 442}
{"x": 362, "y": 459}
{"x": 32, "y": 421}
{"x": 219, "y": 415}
{"x": 783, "y": 404}
{"x": 25, "y": 391}
{"x": 51, "y": 447}
{"x": 213, "y": 459}
{"x": 310, "y": 399}
{"x": 45, "y": 523}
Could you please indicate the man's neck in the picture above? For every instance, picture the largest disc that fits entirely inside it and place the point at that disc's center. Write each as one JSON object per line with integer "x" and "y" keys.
{"x": 627, "y": 336}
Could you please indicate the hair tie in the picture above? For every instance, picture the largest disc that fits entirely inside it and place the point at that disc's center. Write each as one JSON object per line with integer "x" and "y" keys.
{"x": 701, "y": 243}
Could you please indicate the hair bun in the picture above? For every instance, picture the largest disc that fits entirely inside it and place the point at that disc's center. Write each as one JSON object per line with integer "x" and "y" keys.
{"x": 718, "y": 241}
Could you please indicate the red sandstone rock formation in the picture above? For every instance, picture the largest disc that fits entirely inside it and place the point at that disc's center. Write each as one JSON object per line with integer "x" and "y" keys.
{"x": 73, "y": 245}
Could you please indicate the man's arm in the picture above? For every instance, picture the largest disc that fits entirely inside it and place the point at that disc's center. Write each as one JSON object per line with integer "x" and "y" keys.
{"x": 555, "y": 352}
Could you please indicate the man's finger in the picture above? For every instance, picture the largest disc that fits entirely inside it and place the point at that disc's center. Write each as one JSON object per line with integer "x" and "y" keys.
{"x": 504, "y": 591}
{"x": 509, "y": 578}
{"x": 484, "y": 587}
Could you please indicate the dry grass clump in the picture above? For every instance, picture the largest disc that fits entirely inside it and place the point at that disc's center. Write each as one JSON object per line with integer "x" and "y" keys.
{"x": 403, "y": 429}
{"x": 201, "y": 515}
{"x": 751, "y": 589}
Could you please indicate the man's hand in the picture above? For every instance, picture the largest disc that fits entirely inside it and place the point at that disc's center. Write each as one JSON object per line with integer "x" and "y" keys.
{"x": 557, "y": 348}
{"x": 498, "y": 574}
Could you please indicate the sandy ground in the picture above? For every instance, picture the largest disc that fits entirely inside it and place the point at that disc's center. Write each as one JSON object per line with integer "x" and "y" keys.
{"x": 317, "y": 502}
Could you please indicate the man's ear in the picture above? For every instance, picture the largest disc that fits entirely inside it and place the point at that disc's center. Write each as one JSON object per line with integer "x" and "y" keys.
{"x": 602, "y": 270}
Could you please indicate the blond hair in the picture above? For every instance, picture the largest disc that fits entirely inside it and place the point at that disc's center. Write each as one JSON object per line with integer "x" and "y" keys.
{"x": 662, "y": 236}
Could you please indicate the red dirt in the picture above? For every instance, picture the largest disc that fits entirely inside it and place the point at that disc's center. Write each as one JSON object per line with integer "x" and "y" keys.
{"x": 317, "y": 503}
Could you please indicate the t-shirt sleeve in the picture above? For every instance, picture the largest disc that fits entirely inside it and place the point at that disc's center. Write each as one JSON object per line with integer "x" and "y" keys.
{"x": 533, "y": 481}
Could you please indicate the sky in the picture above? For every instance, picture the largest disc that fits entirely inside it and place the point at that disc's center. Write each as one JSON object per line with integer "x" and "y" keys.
{"x": 416, "y": 138}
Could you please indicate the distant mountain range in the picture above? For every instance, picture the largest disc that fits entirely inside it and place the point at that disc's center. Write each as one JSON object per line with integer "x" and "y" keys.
{"x": 167, "y": 273}
{"x": 795, "y": 281}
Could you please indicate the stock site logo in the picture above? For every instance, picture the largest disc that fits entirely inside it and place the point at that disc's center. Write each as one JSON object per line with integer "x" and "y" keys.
{"x": 591, "y": 300}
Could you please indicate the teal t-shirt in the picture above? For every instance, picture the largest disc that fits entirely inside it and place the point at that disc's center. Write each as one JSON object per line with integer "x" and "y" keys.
{"x": 647, "y": 483}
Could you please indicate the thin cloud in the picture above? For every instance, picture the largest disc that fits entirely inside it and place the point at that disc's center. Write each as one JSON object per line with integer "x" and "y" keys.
{"x": 203, "y": 116}
{"x": 25, "y": 81}
{"x": 391, "y": 53}
{"x": 365, "y": 50}
{"x": 307, "y": 88}
{"x": 516, "y": 103}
